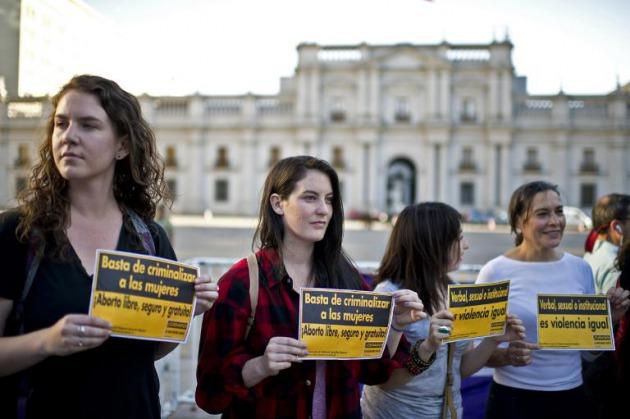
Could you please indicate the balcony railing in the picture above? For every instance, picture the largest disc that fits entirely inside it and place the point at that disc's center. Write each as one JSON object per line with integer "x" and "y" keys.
{"x": 532, "y": 167}
{"x": 589, "y": 168}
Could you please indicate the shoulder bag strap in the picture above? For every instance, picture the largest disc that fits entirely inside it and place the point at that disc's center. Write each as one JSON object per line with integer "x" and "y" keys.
{"x": 34, "y": 256}
{"x": 252, "y": 267}
{"x": 449, "y": 403}
{"x": 143, "y": 231}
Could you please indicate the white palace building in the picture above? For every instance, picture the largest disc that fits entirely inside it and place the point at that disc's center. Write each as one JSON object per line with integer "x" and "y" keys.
{"x": 401, "y": 123}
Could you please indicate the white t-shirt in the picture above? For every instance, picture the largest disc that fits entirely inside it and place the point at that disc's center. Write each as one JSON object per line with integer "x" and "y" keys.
{"x": 550, "y": 370}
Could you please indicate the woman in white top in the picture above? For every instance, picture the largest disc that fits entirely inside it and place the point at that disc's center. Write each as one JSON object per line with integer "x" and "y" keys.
{"x": 529, "y": 383}
{"x": 425, "y": 245}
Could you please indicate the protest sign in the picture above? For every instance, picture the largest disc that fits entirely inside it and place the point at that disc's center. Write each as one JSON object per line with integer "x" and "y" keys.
{"x": 569, "y": 321}
{"x": 479, "y": 310}
{"x": 343, "y": 324}
{"x": 144, "y": 297}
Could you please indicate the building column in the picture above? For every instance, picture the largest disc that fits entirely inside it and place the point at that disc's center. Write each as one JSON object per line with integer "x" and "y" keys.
{"x": 252, "y": 165}
{"x": 366, "y": 176}
{"x": 560, "y": 168}
{"x": 445, "y": 96}
{"x": 617, "y": 170}
{"x": 434, "y": 171}
{"x": 315, "y": 106}
{"x": 374, "y": 94}
{"x": 493, "y": 96}
{"x": 506, "y": 96}
{"x": 4, "y": 155}
{"x": 432, "y": 97}
{"x": 446, "y": 182}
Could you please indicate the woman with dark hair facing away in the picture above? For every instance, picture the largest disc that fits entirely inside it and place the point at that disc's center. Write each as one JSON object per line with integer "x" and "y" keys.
{"x": 96, "y": 186}
{"x": 425, "y": 245}
{"x": 263, "y": 375}
{"x": 530, "y": 383}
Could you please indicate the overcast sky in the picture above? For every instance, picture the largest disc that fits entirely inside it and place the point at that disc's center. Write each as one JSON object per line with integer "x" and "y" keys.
{"x": 239, "y": 46}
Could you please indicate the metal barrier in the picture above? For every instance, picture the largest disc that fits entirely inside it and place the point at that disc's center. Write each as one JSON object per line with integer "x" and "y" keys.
{"x": 177, "y": 370}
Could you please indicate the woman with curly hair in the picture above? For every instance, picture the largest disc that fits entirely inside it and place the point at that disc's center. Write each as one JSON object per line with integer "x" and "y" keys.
{"x": 96, "y": 186}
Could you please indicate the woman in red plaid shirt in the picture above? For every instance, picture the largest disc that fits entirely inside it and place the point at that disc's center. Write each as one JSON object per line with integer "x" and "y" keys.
{"x": 300, "y": 232}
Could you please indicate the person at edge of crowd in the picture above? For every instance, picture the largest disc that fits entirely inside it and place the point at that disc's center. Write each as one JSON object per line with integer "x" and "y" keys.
{"x": 611, "y": 219}
{"x": 621, "y": 387}
{"x": 426, "y": 244}
{"x": 96, "y": 185}
{"x": 527, "y": 382}
{"x": 300, "y": 235}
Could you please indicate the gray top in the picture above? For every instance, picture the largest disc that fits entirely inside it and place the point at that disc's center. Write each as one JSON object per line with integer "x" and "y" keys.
{"x": 422, "y": 396}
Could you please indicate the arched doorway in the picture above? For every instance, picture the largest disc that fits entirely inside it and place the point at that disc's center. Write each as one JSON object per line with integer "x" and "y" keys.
{"x": 401, "y": 185}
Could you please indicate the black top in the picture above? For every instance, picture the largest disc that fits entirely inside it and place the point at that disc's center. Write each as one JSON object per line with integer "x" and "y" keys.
{"x": 114, "y": 380}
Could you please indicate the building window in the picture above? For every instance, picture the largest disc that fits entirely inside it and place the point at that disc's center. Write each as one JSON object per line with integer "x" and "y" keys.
{"x": 23, "y": 159}
{"x": 588, "y": 165}
{"x": 337, "y": 110}
{"x": 222, "y": 161}
{"x": 531, "y": 163}
{"x": 20, "y": 184}
{"x": 221, "y": 190}
{"x": 172, "y": 187}
{"x": 467, "y": 193}
{"x": 274, "y": 156}
{"x": 468, "y": 161}
{"x": 401, "y": 113}
{"x": 171, "y": 156}
{"x": 588, "y": 194}
{"x": 469, "y": 110}
{"x": 338, "y": 160}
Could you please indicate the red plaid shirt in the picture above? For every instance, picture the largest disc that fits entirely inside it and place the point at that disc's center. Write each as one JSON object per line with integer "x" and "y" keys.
{"x": 223, "y": 353}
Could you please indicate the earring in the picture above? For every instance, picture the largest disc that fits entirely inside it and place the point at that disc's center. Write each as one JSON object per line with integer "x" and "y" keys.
{"x": 118, "y": 156}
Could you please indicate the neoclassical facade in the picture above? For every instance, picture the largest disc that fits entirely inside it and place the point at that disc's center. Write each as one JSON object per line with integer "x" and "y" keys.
{"x": 401, "y": 123}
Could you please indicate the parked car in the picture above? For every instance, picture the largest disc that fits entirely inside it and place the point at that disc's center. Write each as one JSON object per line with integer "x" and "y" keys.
{"x": 483, "y": 216}
{"x": 577, "y": 219}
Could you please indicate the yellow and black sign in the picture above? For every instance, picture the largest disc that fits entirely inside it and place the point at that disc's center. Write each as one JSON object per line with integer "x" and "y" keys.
{"x": 342, "y": 324}
{"x": 569, "y": 321}
{"x": 144, "y": 297}
{"x": 479, "y": 310}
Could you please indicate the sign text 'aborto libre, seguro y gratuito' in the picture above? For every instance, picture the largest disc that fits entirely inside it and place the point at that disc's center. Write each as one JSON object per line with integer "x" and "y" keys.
{"x": 144, "y": 297}
{"x": 344, "y": 324}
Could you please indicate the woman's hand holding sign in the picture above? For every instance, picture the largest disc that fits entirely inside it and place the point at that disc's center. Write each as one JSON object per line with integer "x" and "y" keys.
{"x": 279, "y": 354}
{"x": 519, "y": 353}
{"x": 514, "y": 330}
{"x": 619, "y": 302}
{"x": 408, "y": 308}
{"x": 439, "y": 329}
{"x": 75, "y": 333}
{"x": 206, "y": 293}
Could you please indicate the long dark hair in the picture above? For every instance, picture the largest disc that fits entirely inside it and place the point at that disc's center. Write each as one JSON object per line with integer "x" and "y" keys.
{"x": 418, "y": 253}
{"x": 331, "y": 266}
{"x": 138, "y": 178}
{"x": 521, "y": 202}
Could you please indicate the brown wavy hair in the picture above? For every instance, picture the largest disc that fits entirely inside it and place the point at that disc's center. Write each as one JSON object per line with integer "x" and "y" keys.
{"x": 418, "y": 252}
{"x": 139, "y": 183}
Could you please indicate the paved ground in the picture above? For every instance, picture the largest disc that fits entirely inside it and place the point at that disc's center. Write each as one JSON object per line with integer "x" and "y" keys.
{"x": 231, "y": 237}
{"x": 190, "y": 411}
